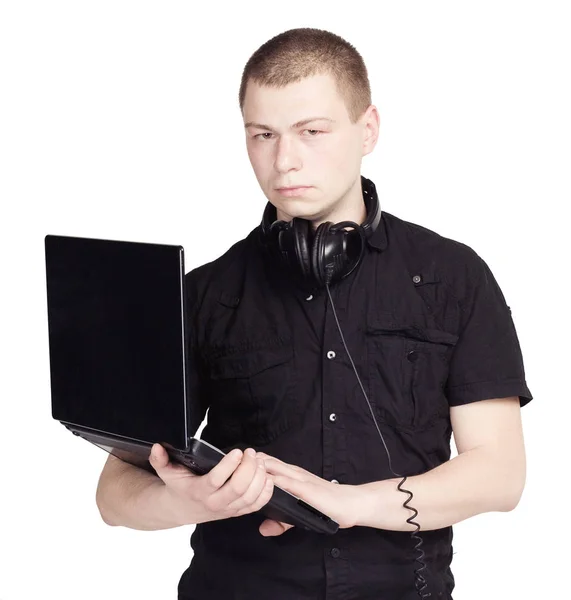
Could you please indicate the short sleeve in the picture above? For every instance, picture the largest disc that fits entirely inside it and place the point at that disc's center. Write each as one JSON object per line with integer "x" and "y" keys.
{"x": 487, "y": 361}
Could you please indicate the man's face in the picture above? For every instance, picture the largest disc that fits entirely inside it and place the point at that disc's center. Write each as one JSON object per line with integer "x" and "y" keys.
{"x": 324, "y": 154}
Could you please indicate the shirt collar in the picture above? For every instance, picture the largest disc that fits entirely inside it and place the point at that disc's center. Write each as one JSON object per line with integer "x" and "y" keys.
{"x": 378, "y": 239}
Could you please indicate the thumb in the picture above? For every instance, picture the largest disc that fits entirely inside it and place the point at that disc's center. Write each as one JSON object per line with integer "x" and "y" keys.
{"x": 159, "y": 458}
{"x": 167, "y": 470}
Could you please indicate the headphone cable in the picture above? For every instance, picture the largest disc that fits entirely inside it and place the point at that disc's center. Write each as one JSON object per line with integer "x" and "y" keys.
{"x": 420, "y": 582}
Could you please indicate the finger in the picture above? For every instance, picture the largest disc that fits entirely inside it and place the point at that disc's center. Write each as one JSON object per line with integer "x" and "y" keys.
{"x": 252, "y": 492}
{"x": 271, "y": 528}
{"x": 164, "y": 467}
{"x": 239, "y": 483}
{"x": 276, "y": 467}
{"x": 301, "y": 489}
{"x": 275, "y": 460}
{"x": 265, "y": 456}
{"x": 276, "y": 463}
{"x": 159, "y": 457}
{"x": 161, "y": 463}
{"x": 220, "y": 474}
{"x": 263, "y": 498}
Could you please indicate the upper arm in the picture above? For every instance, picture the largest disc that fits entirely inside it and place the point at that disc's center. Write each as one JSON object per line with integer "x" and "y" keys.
{"x": 495, "y": 423}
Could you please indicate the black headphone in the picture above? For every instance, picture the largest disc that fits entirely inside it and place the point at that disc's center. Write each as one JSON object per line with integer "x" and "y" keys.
{"x": 329, "y": 254}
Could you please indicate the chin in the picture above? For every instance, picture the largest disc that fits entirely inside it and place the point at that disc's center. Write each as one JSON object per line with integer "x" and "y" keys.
{"x": 300, "y": 214}
{"x": 294, "y": 208}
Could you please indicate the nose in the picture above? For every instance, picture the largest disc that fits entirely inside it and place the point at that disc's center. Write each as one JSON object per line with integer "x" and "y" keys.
{"x": 287, "y": 156}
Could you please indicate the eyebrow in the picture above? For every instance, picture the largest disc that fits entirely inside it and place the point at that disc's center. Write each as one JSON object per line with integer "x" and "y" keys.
{"x": 294, "y": 126}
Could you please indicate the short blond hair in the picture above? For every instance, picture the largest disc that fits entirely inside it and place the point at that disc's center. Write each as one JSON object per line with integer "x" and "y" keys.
{"x": 299, "y": 53}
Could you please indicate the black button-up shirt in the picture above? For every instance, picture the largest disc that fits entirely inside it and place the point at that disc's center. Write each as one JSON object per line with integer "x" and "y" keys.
{"x": 428, "y": 328}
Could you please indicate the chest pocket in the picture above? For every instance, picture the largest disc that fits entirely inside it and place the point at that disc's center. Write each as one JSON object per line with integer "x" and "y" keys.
{"x": 252, "y": 388}
{"x": 408, "y": 369}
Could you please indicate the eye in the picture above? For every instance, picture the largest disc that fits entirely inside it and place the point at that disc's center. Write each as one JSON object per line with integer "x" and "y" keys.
{"x": 261, "y": 136}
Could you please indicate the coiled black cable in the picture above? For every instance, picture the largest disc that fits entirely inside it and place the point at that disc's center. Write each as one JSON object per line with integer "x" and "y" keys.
{"x": 419, "y": 581}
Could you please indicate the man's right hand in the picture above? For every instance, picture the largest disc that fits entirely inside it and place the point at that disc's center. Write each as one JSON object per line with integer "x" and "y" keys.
{"x": 236, "y": 486}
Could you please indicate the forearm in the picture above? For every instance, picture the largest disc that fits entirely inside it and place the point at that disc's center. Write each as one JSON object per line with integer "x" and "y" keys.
{"x": 134, "y": 498}
{"x": 471, "y": 483}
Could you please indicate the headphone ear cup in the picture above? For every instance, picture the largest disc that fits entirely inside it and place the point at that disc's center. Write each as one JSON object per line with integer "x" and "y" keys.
{"x": 300, "y": 229}
{"x": 317, "y": 254}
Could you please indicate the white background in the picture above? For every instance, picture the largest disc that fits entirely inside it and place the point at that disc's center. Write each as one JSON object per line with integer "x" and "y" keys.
{"x": 120, "y": 120}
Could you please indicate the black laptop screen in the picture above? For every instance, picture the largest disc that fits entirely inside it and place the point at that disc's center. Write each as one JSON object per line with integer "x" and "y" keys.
{"x": 115, "y": 312}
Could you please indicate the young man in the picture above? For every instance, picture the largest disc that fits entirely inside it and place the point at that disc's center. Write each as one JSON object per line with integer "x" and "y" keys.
{"x": 431, "y": 337}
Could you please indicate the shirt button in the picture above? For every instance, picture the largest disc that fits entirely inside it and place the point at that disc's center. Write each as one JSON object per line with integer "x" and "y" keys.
{"x": 335, "y": 552}
{"x": 417, "y": 279}
{"x": 332, "y": 417}
{"x": 310, "y": 297}
{"x": 330, "y": 354}
{"x": 334, "y": 481}
{"x": 412, "y": 355}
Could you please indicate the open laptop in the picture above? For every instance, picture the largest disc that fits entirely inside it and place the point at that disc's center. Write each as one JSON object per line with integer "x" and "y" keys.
{"x": 118, "y": 364}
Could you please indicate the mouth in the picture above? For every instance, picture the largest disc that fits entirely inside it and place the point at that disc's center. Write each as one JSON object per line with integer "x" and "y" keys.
{"x": 297, "y": 190}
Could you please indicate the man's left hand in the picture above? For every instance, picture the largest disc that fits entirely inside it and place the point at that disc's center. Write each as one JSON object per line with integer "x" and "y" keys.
{"x": 337, "y": 501}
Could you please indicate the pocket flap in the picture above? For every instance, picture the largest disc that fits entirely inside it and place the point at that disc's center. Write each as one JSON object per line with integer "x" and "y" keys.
{"x": 390, "y": 325}
{"x": 244, "y": 363}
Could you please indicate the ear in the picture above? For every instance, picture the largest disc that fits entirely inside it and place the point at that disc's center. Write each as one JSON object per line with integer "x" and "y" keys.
{"x": 371, "y": 125}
